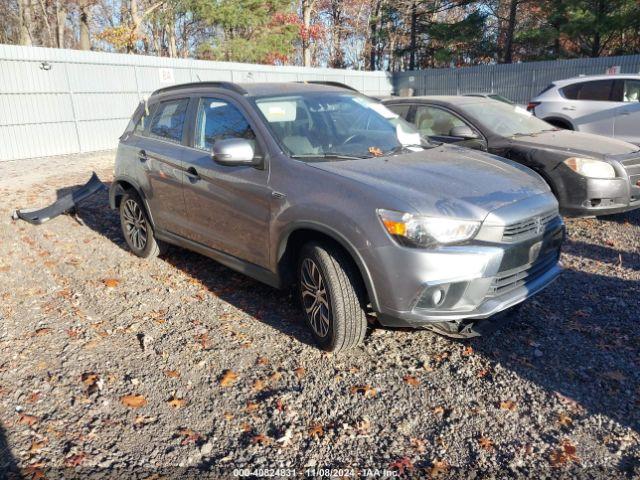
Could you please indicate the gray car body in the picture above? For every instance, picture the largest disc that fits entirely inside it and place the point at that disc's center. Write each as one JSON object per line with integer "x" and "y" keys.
{"x": 545, "y": 152}
{"x": 254, "y": 218}
{"x": 612, "y": 118}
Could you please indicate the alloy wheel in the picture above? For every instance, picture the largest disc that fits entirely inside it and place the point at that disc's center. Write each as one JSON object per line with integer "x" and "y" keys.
{"x": 315, "y": 298}
{"x": 135, "y": 224}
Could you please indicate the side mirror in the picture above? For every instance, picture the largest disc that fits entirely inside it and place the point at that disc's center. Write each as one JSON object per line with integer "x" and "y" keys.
{"x": 234, "y": 151}
{"x": 463, "y": 131}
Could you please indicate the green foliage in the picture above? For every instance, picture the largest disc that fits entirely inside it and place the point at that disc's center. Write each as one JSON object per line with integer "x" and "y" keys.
{"x": 252, "y": 30}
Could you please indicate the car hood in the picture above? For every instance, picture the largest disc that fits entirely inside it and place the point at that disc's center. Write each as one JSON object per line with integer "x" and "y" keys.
{"x": 574, "y": 143}
{"x": 446, "y": 180}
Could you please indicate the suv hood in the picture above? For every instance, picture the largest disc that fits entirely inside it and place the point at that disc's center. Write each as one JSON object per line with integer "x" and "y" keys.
{"x": 574, "y": 143}
{"x": 444, "y": 181}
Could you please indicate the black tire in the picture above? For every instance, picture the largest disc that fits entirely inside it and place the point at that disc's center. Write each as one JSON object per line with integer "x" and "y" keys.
{"x": 134, "y": 218}
{"x": 339, "y": 322}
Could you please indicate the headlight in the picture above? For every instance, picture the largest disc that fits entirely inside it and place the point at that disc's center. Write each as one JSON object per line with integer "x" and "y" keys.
{"x": 590, "y": 167}
{"x": 417, "y": 231}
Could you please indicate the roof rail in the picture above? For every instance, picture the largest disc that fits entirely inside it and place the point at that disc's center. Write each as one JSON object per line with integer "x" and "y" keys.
{"x": 228, "y": 85}
{"x": 330, "y": 84}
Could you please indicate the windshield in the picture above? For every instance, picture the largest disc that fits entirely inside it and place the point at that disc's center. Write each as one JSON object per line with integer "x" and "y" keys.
{"x": 505, "y": 120}
{"x": 337, "y": 125}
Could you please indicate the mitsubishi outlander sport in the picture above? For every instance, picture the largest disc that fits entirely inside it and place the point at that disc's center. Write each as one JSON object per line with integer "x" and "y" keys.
{"x": 323, "y": 189}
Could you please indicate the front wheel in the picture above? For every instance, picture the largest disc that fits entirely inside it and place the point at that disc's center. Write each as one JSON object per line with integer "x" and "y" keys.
{"x": 332, "y": 297}
{"x": 136, "y": 228}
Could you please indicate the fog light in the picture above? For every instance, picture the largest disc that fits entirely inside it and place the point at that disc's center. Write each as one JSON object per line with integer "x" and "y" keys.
{"x": 437, "y": 296}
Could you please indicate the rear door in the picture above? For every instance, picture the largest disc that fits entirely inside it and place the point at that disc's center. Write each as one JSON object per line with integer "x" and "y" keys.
{"x": 228, "y": 207}
{"x": 590, "y": 106}
{"x": 627, "y": 120}
{"x": 160, "y": 151}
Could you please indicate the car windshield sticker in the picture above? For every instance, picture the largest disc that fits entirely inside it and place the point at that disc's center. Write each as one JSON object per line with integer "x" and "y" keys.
{"x": 281, "y": 111}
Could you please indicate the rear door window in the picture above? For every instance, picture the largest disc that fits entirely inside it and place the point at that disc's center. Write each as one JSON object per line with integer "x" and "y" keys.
{"x": 169, "y": 119}
{"x": 631, "y": 91}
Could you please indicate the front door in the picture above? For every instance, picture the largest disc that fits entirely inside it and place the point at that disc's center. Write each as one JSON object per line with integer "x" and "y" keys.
{"x": 228, "y": 207}
{"x": 438, "y": 124}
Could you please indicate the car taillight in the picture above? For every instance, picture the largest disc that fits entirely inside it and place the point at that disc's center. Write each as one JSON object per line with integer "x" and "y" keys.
{"x": 532, "y": 105}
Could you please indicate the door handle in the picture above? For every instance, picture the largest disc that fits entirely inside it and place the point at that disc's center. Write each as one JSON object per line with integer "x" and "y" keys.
{"x": 568, "y": 108}
{"x": 142, "y": 156}
{"x": 193, "y": 173}
{"x": 624, "y": 112}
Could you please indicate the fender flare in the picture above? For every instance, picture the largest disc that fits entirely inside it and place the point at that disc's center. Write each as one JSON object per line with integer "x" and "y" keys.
{"x": 560, "y": 119}
{"x": 116, "y": 190}
{"x": 338, "y": 238}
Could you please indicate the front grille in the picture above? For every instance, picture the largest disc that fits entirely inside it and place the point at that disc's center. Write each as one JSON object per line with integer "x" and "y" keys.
{"x": 511, "y": 279}
{"x": 529, "y": 227}
{"x": 632, "y": 166}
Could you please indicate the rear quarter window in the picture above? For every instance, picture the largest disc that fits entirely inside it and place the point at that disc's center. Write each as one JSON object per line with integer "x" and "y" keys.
{"x": 598, "y": 90}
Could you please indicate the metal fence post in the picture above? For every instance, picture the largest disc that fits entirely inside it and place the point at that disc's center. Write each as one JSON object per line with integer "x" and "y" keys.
{"x": 73, "y": 106}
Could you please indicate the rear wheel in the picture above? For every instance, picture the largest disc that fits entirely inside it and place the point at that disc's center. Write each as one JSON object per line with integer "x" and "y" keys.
{"x": 136, "y": 228}
{"x": 332, "y": 297}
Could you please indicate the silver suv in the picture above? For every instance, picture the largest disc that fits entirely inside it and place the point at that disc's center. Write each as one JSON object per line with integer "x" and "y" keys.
{"x": 320, "y": 188}
{"x": 602, "y": 104}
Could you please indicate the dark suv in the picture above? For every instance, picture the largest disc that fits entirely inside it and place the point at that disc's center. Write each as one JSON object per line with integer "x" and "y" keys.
{"x": 324, "y": 189}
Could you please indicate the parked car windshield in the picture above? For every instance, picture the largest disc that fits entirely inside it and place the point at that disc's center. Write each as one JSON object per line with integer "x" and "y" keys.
{"x": 333, "y": 126}
{"x": 506, "y": 120}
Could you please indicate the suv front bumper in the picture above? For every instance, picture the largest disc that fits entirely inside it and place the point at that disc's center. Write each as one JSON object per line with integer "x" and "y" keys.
{"x": 470, "y": 282}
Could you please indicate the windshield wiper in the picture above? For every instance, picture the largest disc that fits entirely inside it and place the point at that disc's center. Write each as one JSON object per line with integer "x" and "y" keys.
{"x": 330, "y": 156}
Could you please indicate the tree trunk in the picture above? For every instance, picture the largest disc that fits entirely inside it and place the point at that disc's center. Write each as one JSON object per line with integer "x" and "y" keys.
{"x": 412, "y": 48}
{"x": 24, "y": 7}
{"x": 61, "y": 20}
{"x": 85, "y": 18}
{"x": 373, "y": 54}
{"x": 172, "y": 49}
{"x": 307, "y": 6}
{"x": 511, "y": 27}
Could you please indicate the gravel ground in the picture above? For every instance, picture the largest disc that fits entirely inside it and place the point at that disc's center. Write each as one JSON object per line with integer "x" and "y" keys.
{"x": 111, "y": 363}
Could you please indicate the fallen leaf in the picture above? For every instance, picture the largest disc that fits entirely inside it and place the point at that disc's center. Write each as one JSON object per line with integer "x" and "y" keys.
{"x": 419, "y": 445}
{"x": 177, "y": 402}
{"x": 280, "y": 405}
{"x": 565, "y": 420}
{"x": 228, "y": 416}
{"x": 133, "y": 401}
{"x": 33, "y": 397}
{"x": 251, "y": 407}
{"x": 111, "y": 282}
{"x": 438, "y": 468}
{"x": 75, "y": 460}
{"x": 468, "y": 350}
{"x": 275, "y": 377}
{"x": 565, "y": 453}
{"x": 316, "y": 431}
{"x": 508, "y": 405}
{"x": 485, "y": 443}
{"x": 262, "y": 361}
{"x": 144, "y": 420}
{"x": 260, "y": 438}
{"x": 258, "y": 386}
{"x": 402, "y": 465}
{"x": 300, "y": 371}
{"x": 189, "y": 436}
{"x": 439, "y": 410}
{"x": 172, "y": 373}
{"x": 90, "y": 379}
{"x": 483, "y": 373}
{"x": 27, "y": 419}
{"x": 37, "y": 445}
{"x": 411, "y": 380}
{"x": 42, "y": 331}
{"x": 229, "y": 377}
{"x": 366, "y": 390}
